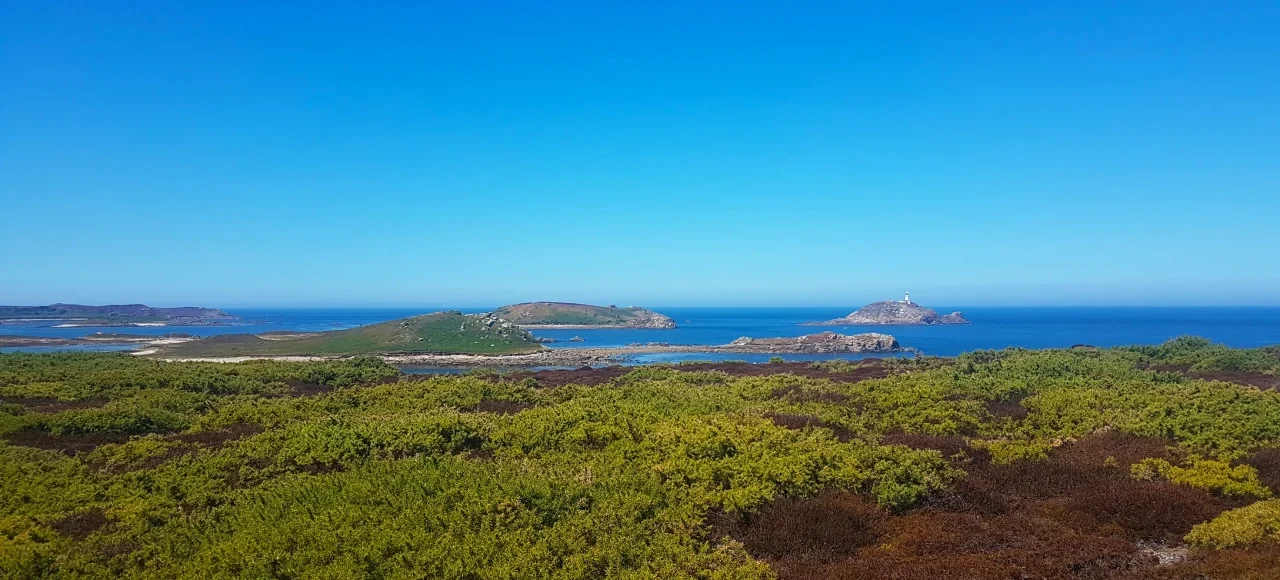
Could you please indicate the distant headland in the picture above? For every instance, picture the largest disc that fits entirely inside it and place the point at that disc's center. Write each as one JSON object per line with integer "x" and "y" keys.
{"x": 116, "y": 315}
{"x": 894, "y": 312}
{"x": 584, "y": 316}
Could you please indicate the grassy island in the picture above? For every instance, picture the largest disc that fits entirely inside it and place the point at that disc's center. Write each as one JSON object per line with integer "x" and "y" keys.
{"x": 1141, "y": 462}
{"x": 441, "y": 332}
{"x": 570, "y": 315}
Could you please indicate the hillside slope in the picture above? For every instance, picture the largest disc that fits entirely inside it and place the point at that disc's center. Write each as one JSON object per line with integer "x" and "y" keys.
{"x": 570, "y": 315}
{"x": 441, "y": 332}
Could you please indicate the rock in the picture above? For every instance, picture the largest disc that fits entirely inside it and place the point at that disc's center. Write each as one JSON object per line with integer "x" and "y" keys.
{"x": 545, "y": 339}
{"x": 895, "y": 312}
{"x": 823, "y": 342}
{"x": 577, "y": 339}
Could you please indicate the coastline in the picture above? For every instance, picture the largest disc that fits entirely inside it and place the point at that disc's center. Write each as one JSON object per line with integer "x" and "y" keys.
{"x": 590, "y": 327}
{"x": 158, "y": 340}
{"x": 584, "y": 356}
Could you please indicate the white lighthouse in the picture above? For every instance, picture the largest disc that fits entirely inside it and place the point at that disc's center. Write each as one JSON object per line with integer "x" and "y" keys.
{"x": 907, "y": 298}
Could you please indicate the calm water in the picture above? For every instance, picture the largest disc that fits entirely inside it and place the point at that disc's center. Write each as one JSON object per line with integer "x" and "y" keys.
{"x": 991, "y": 328}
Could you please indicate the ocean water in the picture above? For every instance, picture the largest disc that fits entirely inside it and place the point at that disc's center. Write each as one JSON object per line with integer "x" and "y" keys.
{"x": 992, "y": 328}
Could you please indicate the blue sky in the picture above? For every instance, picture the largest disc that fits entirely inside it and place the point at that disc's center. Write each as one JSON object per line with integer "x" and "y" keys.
{"x": 731, "y": 153}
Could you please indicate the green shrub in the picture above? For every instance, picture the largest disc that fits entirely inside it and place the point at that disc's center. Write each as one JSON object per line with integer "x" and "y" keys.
{"x": 1010, "y": 451}
{"x": 225, "y": 476}
{"x": 1207, "y": 474}
{"x": 1239, "y": 527}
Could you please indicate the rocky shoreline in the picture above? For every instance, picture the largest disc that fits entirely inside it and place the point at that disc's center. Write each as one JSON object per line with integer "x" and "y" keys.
{"x": 822, "y": 343}
{"x": 591, "y": 327}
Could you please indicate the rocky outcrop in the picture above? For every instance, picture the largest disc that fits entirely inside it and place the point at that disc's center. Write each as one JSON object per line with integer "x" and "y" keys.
{"x": 894, "y": 312}
{"x": 823, "y": 342}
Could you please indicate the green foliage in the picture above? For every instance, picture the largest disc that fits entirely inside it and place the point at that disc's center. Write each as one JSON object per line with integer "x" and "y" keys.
{"x": 1208, "y": 474}
{"x": 217, "y": 472}
{"x": 1239, "y": 527}
{"x": 77, "y": 375}
{"x": 1010, "y": 451}
{"x": 1199, "y": 354}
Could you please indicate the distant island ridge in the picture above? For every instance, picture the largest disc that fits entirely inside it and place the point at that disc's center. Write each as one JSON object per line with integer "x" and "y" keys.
{"x": 456, "y": 339}
{"x": 894, "y": 312}
{"x": 117, "y": 315}
{"x": 569, "y": 315}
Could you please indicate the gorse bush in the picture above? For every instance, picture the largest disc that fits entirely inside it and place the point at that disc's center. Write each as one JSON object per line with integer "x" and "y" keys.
{"x": 198, "y": 470}
{"x": 1199, "y": 354}
{"x": 1247, "y": 525}
{"x": 1216, "y": 476}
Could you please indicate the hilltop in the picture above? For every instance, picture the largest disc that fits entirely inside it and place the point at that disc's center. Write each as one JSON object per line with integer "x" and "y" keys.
{"x": 448, "y": 332}
{"x": 570, "y": 315}
{"x": 116, "y": 314}
{"x": 895, "y": 312}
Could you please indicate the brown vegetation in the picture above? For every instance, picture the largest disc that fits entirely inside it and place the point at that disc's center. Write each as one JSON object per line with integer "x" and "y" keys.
{"x": 51, "y": 405}
{"x": 580, "y": 376}
{"x": 79, "y": 525}
{"x": 863, "y": 370}
{"x": 867, "y": 369}
{"x": 218, "y": 437}
{"x": 1267, "y": 462}
{"x": 1078, "y": 514}
{"x": 791, "y": 421}
{"x": 68, "y": 444}
{"x": 1260, "y": 380}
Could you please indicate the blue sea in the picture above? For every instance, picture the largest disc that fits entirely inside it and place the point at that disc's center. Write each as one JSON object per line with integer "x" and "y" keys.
{"x": 992, "y": 328}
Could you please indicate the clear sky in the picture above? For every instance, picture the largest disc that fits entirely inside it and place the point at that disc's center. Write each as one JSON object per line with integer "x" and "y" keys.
{"x": 660, "y": 153}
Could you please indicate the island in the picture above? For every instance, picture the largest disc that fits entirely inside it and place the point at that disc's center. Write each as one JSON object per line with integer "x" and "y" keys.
{"x": 453, "y": 339}
{"x": 116, "y": 315}
{"x": 585, "y": 316}
{"x": 894, "y": 312}
{"x": 450, "y": 332}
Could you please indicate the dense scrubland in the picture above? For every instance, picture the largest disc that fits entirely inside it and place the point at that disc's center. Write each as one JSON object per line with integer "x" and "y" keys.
{"x": 1141, "y": 462}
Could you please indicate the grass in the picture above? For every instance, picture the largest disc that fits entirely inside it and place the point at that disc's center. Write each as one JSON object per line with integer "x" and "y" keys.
{"x": 441, "y": 332}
